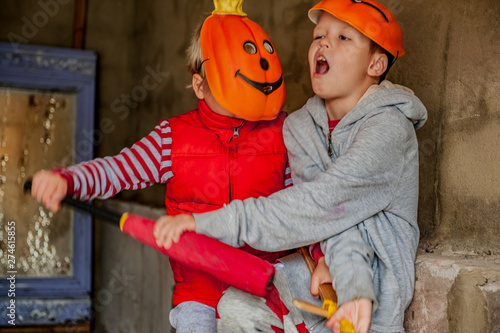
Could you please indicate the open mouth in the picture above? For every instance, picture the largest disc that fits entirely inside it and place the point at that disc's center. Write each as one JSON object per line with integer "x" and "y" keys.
{"x": 264, "y": 87}
{"x": 322, "y": 66}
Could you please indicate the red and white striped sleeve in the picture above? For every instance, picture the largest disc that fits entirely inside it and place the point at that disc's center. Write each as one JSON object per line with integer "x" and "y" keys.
{"x": 145, "y": 163}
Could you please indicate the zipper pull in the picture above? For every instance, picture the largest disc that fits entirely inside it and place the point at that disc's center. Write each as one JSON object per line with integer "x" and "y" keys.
{"x": 236, "y": 133}
{"x": 330, "y": 147}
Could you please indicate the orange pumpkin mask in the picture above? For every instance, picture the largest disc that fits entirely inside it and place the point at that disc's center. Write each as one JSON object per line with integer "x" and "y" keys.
{"x": 241, "y": 65}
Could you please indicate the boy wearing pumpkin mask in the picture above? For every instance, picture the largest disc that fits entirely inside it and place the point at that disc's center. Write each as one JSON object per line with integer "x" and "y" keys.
{"x": 230, "y": 147}
{"x": 354, "y": 159}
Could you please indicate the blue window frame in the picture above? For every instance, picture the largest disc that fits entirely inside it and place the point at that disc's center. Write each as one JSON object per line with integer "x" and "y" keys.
{"x": 57, "y": 300}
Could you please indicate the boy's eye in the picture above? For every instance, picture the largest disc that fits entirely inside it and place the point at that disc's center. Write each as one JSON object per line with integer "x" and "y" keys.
{"x": 342, "y": 37}
{"x": 319, "y": 37}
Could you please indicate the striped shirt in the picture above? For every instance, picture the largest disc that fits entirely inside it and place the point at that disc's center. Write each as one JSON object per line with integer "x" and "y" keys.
{"x": 147, "y": 162}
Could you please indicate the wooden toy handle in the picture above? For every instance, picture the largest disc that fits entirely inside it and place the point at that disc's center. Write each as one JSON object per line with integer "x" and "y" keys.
{"x": 326, "y": 290}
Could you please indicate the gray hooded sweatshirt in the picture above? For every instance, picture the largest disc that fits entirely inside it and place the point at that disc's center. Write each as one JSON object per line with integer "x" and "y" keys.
{"x": 361, "y": 202}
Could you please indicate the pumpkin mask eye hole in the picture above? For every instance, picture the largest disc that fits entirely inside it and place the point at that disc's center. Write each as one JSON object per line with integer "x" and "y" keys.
{"x": 250, "y": 47}
{"x": 269, "y": 48}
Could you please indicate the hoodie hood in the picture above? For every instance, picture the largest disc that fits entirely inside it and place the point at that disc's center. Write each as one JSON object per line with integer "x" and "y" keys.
{"x": 375, "y": 100}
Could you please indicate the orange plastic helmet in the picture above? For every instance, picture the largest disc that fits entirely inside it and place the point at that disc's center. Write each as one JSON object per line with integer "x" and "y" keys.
{"x": 368, "y": 16}
{"x": 241, "y": 64}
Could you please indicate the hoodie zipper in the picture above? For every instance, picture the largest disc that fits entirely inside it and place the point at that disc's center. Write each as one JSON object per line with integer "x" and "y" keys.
{"x": 330, "y": 146}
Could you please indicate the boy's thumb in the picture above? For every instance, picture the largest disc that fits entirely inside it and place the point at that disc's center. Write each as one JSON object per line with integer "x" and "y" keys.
{"x": 314, "y": 286}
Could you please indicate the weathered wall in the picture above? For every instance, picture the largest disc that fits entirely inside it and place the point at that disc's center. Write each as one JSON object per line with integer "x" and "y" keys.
{"x": 468, "y": 184}
{"x": 34, "y": 23}
{"x": 133, "y": 282}
{"x": 452, "y": 64}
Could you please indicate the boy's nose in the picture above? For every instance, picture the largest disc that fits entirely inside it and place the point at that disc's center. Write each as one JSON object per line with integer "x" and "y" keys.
{"x": 264, "y": 64}
{"x": 323, "y": 43}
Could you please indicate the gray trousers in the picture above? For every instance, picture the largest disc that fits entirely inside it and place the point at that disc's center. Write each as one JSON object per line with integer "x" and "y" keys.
{"x": 193, "y": 317}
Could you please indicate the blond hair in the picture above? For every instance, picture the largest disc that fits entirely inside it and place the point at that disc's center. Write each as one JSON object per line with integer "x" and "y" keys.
{"x": 194, "y": 56}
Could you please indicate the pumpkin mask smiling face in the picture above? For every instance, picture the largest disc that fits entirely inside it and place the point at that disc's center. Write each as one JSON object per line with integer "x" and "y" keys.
{"x": 241, "y": 65}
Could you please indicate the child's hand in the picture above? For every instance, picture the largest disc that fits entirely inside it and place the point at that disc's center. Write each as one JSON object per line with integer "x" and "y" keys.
{"x": 320, "y": 275}
{"x": 357, "y": 311}
{"x": 168, "y": 229}
{"x": 49, "y": 188}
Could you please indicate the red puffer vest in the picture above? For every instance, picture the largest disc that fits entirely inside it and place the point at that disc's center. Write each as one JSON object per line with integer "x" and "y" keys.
{"x": 216, "y": 159}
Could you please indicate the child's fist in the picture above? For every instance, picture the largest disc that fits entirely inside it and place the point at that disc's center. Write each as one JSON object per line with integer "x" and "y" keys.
{"x": 358, "y": 312}
{"x": 49, "y": 188}
{"x": 320, "y": 275}
{"x": 168, "y": 229}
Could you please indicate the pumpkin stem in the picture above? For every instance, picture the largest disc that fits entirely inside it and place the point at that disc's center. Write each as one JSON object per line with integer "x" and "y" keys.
{"x": 229, "y": 7}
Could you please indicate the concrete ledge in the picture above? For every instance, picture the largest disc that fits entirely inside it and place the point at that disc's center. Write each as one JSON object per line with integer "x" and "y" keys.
{"x": 455, "y": 292}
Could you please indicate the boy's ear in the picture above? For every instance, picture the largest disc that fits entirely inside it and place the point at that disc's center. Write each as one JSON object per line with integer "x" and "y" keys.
{"x": 198, "y": 86}
{"x": 378, "y": 64}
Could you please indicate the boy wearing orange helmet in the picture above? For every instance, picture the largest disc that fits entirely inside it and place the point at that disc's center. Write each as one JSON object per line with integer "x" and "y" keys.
{"x": 354, "y": 159}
